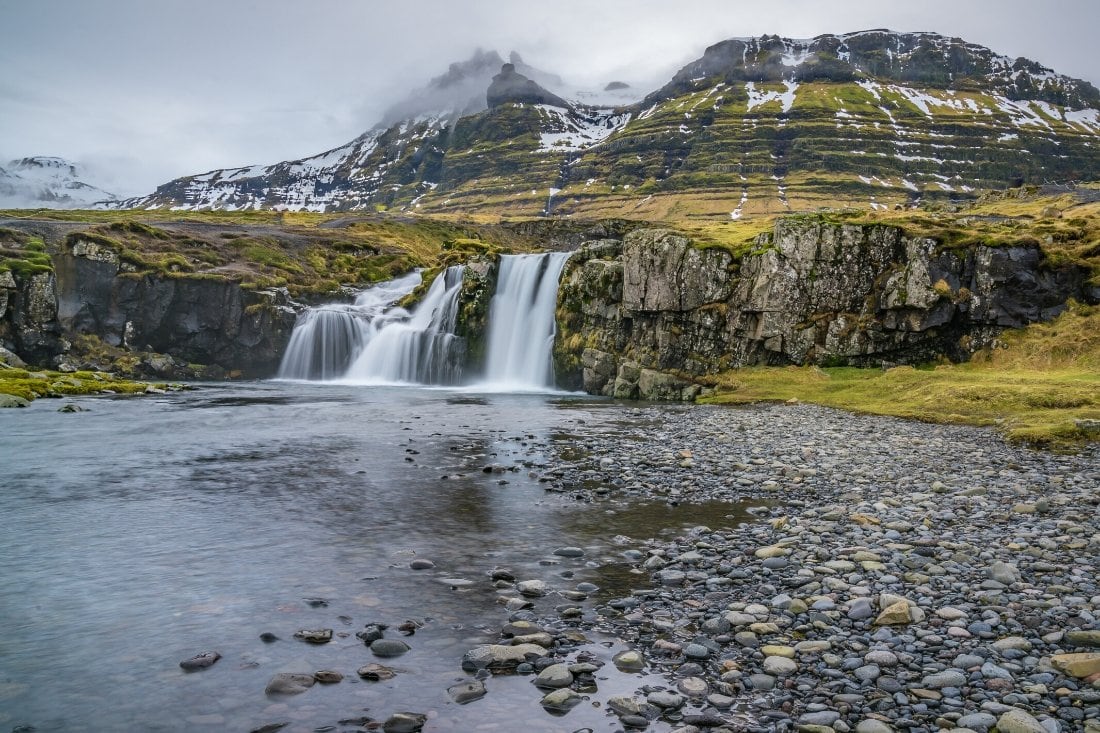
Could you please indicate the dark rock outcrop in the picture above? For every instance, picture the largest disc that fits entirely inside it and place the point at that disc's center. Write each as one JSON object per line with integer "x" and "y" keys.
{"x": 28, "y": 317}
{"x": 647, "y": 315}
{"x": 211, "y": 321}
{"x": 510, "y": 86}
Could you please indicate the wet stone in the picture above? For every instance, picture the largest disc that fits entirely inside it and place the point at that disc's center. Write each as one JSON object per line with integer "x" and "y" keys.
{"x": 560, "y": 701}
{"x": 376, "y": 673}
{"x": 404, "y": 723}
{"x": 532, "y": 588}
{"x": 693, "y": 686}
{"x": 554, "y": 676}
{"x": 629, "y": 661}
{"x": 665, "y": 700}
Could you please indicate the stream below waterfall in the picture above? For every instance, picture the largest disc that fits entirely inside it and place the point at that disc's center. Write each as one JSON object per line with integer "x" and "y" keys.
{"x": 145, "y": 531}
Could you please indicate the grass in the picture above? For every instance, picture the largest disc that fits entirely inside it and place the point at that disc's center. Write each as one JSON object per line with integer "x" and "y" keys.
{"x": 1039, "y": 387}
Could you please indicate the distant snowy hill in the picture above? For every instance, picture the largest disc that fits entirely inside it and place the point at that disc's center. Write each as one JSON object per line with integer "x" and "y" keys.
{"x": 46, "y": 182}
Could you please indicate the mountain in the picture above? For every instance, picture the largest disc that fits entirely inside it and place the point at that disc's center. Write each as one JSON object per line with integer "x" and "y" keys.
{"x": 874, "y": 119}
{"x": 45, "y": 182}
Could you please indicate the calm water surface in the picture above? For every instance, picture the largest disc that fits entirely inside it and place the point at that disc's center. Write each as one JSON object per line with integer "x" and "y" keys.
{"x": 144, "y": 531}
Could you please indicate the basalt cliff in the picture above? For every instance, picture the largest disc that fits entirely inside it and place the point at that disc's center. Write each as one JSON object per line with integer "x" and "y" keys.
{"x": 652, "y": 315}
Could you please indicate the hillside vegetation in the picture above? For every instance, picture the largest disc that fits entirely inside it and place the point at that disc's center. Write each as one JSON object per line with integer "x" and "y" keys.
{"x": 311, "y": 254}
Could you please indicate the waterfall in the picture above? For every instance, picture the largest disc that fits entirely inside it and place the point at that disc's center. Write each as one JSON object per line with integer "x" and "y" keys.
{"x": 418, "y": 347}
{"x": 521, "y": 322}
{"x": 328, "y": 337}
{"x": 375, "y": 342}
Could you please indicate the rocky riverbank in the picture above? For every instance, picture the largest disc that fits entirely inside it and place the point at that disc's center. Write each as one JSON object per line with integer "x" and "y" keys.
{"x": 901, "y": 577}
{"x": 894, "y": 576}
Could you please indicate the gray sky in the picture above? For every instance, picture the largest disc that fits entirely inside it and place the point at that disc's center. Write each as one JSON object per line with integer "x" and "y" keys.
{"x": 142, "y": 91}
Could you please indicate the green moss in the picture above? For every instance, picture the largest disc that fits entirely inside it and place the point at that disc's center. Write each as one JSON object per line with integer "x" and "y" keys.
{"x": 28, "y": 260}
{"x": 94, "y": 237}
{"x": 138, "y": 228}
{"x": 32, "y": 385}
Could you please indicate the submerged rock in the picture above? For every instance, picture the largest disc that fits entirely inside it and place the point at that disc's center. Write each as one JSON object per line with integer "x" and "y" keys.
{"x": 314, "y": 636}
{"x": 289, "y": 683}
{"x": 200, "y": 661}
{"x": 388, "y": 647}
{"x": 466, "y": 692}
{"x": 559, "y": 702}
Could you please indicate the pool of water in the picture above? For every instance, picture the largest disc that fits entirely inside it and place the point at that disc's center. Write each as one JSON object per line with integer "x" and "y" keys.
{"x": 144, "y": 531}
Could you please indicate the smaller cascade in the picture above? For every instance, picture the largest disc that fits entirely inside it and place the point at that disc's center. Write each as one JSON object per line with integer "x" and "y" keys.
{"x": 327, "y": 338}
{"x": 521, "y": 322}
{"x": 418, "y": 347}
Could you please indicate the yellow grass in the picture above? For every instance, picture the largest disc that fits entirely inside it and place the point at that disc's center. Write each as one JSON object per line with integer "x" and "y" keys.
{"x": 1041, "y": 387}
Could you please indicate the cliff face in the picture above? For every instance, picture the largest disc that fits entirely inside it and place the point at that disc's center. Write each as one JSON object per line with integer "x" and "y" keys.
{"x": 28, "y": 316}
{"x": 213, "y": 322}
{"x": 644, "y": 316}
{"x": 208, "y": 321}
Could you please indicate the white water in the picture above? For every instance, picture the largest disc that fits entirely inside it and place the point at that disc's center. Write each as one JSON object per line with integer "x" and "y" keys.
{"x": 418, "y": 347}
{"x": 521, "y": 322}
{"x": 373, "y": 342}
{"x": 328, "y": 337}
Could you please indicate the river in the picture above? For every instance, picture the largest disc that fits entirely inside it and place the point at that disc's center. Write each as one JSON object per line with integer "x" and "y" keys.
{"x": 144, "y": 531}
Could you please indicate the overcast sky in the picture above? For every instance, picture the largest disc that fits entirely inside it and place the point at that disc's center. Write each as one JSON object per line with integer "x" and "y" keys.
{"x": 142, "y": 91}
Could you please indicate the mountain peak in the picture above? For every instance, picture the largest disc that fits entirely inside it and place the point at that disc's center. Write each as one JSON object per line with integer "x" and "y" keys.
{"x": 460, "y": 91}
{"x": 511, "y": 86}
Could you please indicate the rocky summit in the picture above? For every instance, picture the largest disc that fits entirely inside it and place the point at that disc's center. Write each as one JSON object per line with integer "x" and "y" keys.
{"x": 873, "y": 119}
